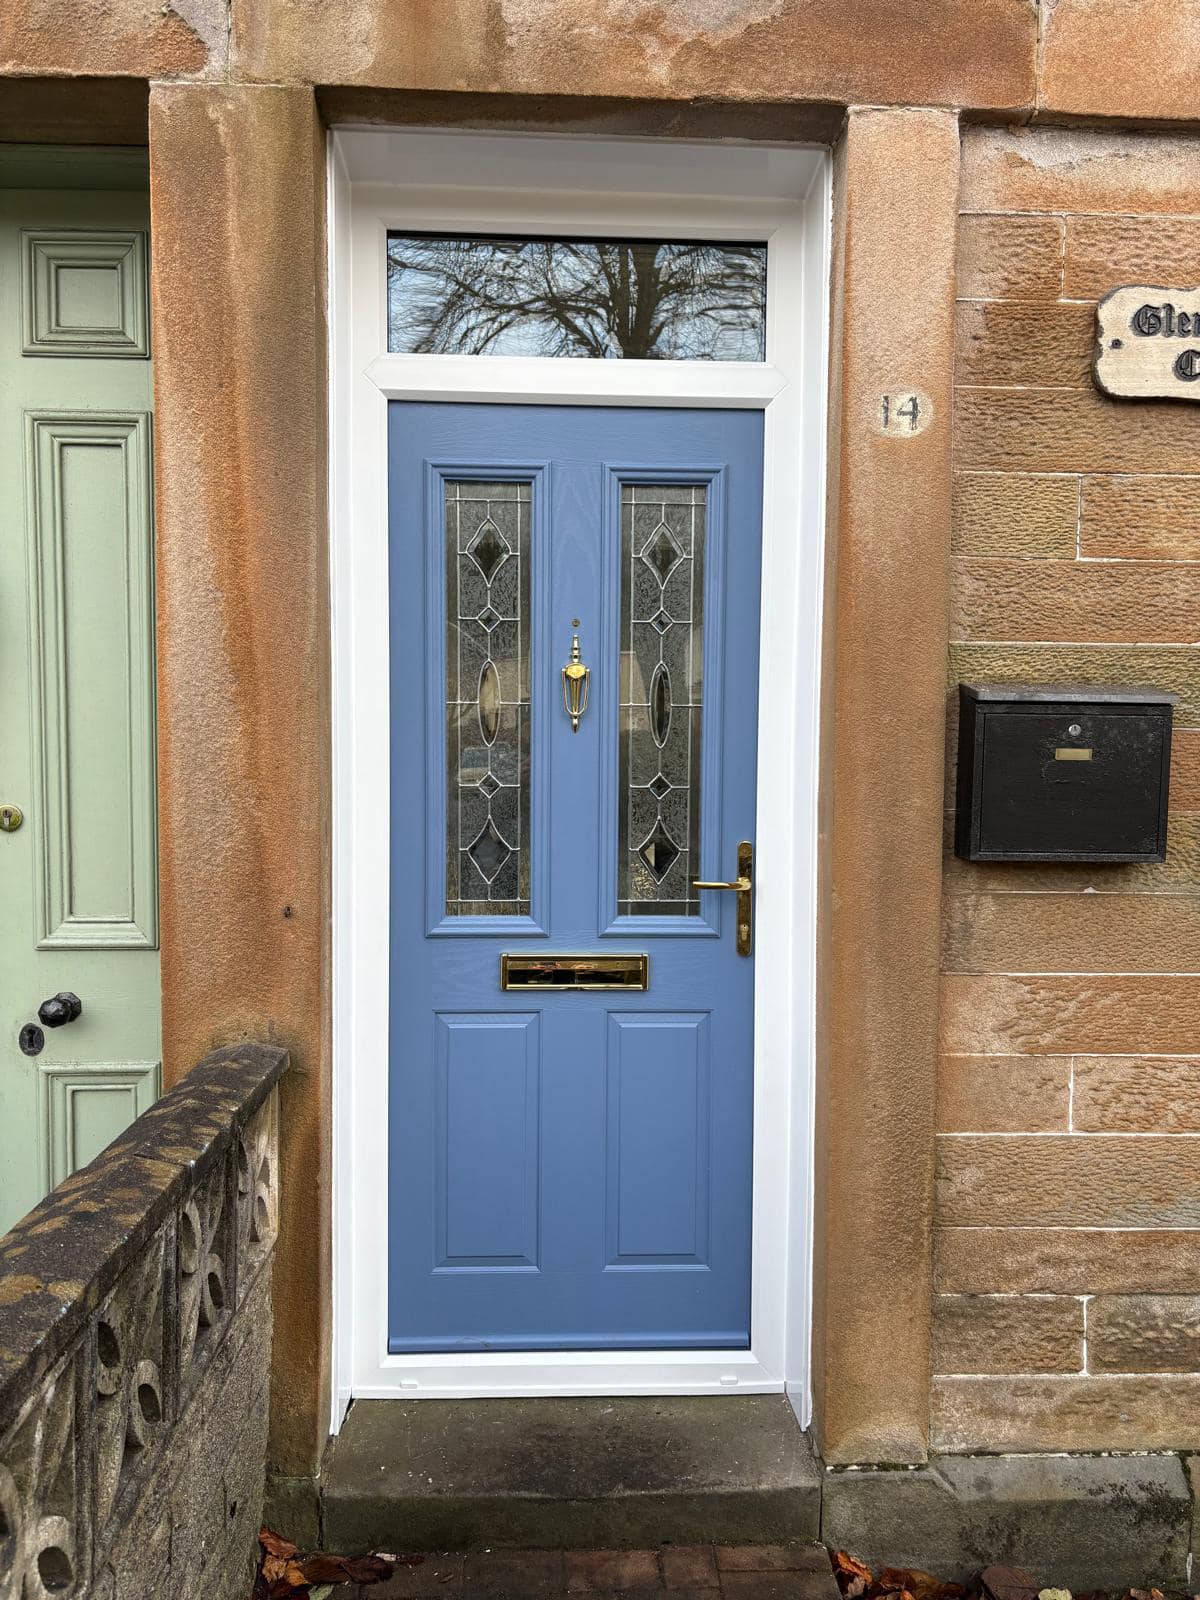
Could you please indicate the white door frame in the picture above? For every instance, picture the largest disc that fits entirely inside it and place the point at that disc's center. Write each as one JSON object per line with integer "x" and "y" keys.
{"x": 381, "y": 178}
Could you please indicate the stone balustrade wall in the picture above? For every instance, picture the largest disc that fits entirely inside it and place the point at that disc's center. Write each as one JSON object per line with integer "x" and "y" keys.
{"x": 135, "y": 1345}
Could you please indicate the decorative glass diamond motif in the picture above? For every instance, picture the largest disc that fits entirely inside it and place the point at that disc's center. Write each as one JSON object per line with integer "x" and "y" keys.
{"x": 662, "y": 552}
{"x": 660, "y": 621}
{"x": 490, "y": 618}
{"x": 489, "y": 549}
{"x": 659, "y": 851}
{"x": 489, "y": 852}
{"x": 488, "y": 785}
{"x": 659, "y": 786}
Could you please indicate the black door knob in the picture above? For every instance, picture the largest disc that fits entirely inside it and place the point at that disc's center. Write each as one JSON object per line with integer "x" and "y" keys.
{"x": 63, "y": 1008}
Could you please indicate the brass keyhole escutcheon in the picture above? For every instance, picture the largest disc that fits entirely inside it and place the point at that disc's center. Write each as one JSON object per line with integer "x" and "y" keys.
{"x": 11, "y": 818}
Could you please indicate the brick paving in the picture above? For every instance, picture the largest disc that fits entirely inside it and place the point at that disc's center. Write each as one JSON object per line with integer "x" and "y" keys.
{"x": 691, "y": 1572}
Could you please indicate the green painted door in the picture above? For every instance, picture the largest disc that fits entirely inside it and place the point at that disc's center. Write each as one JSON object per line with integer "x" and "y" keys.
{"x": 78, "y": 876}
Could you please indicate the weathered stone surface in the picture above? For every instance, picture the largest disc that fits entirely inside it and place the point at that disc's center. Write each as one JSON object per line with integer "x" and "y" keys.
{"x": 991, "y": 1015}
{"x": 1076, "y": 1180}
{"x": 1137, "y": 61}
{"x": 1136, "y": 1094}
{"x": 562, "y": 1474}
{"x": 1075, "y": 430}
{"x": 1003, "y": 1094}
{"x": 1140, "y": 518}
{"x": 1004, "y": 514}
{"x": 1021, "y": 342}
{"x": 1071, "y": 933}
{"x": 1088, "y": 1523}
{"x": 1010, "y": 257}
{"x": 1144, "y": 1333}
{"x": 887, "y": 52}
{"x": 1074, "y": 602}
{"x": 1185, "y": 769}
{"x": 1007, "y": 1333}
{"x": 238, "y": 195}
{"x": 1150, "y": 1412}
{"x": 1108, "y": 665}
{"x": 1102, "y": 252}
{"x": 1077, "y": 169}
{"x": 135, "y": 38}
{"x": 1066, "y": 1261}
{"x": 888, "y": 536}
{"x": 133, "y": 1394}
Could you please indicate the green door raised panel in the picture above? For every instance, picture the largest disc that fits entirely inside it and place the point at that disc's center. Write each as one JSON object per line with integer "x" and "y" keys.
{"x": 78, "y": 877}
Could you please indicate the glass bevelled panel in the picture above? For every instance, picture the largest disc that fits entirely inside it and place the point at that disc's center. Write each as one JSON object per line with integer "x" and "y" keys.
{"x": 663, "y": 530}
{"x": 637, "y": 299}
{"x": 487, "y": 698}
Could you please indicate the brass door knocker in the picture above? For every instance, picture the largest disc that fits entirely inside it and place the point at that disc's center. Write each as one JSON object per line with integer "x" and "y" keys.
{"x": 576, "y": 680}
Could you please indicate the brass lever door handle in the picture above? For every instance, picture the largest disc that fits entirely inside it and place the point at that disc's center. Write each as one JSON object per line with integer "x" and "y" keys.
{"x": 743, "y": 887}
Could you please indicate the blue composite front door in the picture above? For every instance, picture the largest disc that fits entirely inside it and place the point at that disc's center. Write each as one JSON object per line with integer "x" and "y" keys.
{"x": 570, "y": 1168}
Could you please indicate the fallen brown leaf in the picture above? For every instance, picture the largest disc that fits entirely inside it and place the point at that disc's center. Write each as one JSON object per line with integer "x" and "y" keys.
{"x": 852, "y": 1576}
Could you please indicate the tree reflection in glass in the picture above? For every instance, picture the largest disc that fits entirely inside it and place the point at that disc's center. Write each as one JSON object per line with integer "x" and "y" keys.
{"x": 638, "y": 299}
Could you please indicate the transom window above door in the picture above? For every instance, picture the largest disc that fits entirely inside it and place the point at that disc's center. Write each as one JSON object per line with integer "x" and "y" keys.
{"x": 636, "y": 299}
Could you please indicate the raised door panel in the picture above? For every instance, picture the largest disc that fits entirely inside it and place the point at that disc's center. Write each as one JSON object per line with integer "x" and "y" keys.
{"x": 93, "y": 690}
{"x": 86, "y": 1105}
{"x": 84, "y": 293}
{"x": 486, "y": 1142}
{"x": 658, "y": 1138}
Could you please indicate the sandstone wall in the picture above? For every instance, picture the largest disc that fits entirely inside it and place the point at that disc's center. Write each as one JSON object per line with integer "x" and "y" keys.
{"x": 1067, "y": 1261}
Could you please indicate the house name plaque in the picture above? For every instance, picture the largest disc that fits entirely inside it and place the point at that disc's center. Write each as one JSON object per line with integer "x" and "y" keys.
{"x": 1148, "y": 343}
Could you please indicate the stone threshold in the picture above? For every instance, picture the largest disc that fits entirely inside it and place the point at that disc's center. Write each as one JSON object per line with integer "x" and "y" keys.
{"x": 636, "y": 1474}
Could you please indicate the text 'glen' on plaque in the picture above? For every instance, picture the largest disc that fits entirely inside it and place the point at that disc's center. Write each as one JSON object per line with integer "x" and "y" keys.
{"x": 1148, "y": 343}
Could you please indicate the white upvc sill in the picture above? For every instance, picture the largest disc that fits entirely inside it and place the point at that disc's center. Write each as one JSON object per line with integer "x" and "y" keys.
{"x": 579, "y": 382}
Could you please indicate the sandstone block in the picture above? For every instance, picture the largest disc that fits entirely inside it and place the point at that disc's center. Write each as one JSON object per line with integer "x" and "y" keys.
{"x": 994, "y": 1015}
{"x": 123, "y": 38}
{"x": 1003, "y": 1094}
{"x": 1074, "y": 602}
{"x": 1077, "y": 430}
{"x": 1019, "y": 258}
{"x": 1009, "y": 514}
{"x": 1151, "y": 1412}
{"x": 1144, "y": 1333}
{"x": 1185, "y": 769}
{"x": 1071, "y": 933}
{"x": 1066, "y": 1261}
{"x": 1079, "y": 169}
{"x": 1137, "y": 1094}
{"x": 855, "y": 51}
{"x": 1141, "y": 518}
{"x": 1067, "y": 1181}
{"x": 1104, "y": 56}
{"x": 1102, "y": 252}
{"x": 1090, "y": 1523}
{"x": 1007, "y": 1333}
{"x": 1018, "y": 342}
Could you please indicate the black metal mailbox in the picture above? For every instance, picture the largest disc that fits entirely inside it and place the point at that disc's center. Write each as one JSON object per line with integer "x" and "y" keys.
{"x": 1057, "y": 773}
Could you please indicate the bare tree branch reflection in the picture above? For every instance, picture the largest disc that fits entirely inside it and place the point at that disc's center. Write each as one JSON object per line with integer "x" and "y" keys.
{"x": 637, "y": 299}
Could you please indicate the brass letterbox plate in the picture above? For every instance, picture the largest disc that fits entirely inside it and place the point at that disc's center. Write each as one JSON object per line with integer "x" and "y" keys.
{"x": 575, "y": 972}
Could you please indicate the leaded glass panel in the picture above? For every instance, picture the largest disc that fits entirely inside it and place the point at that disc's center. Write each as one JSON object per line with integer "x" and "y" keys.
{"x": 662, "y": 683}
{"x": 487, "y": 698}
{"x": 640, "y": 299}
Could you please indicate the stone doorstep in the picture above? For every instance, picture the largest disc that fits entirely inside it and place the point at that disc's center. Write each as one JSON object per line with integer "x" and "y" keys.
{"x": 636, "y": 1474}
{"x": 594, "y": 1473}
{"x": 1075, "y": 1522}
